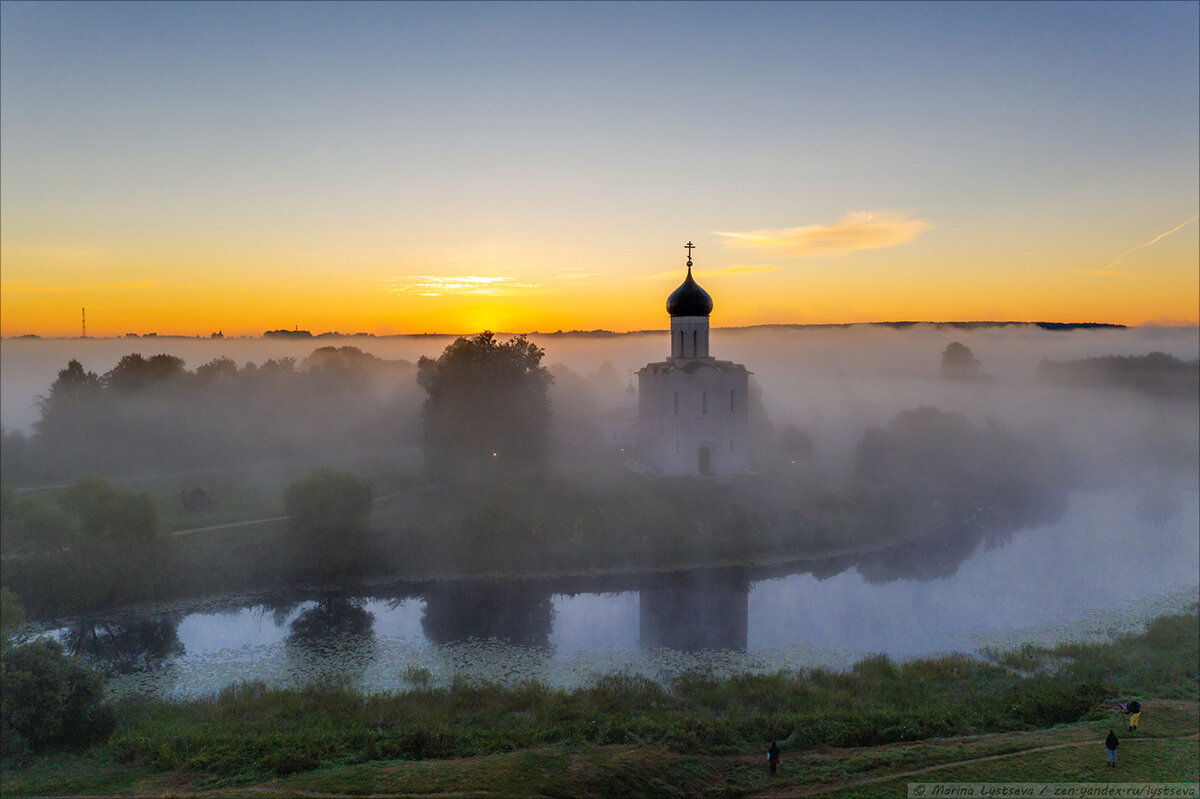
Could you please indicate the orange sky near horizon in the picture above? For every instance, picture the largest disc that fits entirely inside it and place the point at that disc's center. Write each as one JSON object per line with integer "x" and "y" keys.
{"x": 1158, "y": 285}
{"x": 394, "y": 168}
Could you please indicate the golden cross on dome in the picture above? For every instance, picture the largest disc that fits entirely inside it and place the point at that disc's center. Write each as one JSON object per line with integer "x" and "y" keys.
{"x": 689, "y": 247}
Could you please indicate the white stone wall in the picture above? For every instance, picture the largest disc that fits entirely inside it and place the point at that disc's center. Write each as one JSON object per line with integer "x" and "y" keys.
{"x": 689, "y": 337}
{"x": 683, "y": 411}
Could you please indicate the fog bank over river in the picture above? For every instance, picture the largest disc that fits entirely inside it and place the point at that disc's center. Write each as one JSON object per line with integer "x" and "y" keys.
{"x": 1116, "y": 540}
{"x": 784, "y": 360}
{"x": 1102, "y": 569}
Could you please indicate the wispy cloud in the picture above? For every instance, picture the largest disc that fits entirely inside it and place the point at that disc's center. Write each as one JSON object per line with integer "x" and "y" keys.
{"x": 857, "y": 230}
{"x": 1108, "y": 270}
{"x": 435, "y": 286}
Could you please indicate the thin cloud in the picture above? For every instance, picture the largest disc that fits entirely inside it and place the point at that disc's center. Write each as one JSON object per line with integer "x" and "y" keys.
{"x": 434, "y": 286}
{"x": 1127, "y": 253}
{"x": 1107, "y": 273}
{"x": 857, "y": 230}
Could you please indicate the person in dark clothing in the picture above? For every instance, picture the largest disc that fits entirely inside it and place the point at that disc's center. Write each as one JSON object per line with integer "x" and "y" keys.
{"x": 1111, "y": 743}
{"x": 1133, "y": 709}
{"x": 773, "y": 756}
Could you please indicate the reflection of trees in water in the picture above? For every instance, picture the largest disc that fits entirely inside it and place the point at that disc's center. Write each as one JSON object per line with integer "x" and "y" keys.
{"x": 951, "y": 487}
{"x": 332, "y": 617}
{"x": 696, "y": 610}
{"x": 126, "y": 646}
{"x": 518, "y": 613}
{"x": 333, "y": 638}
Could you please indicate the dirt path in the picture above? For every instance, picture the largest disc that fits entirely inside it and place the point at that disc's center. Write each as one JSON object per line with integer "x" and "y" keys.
{"x": 228, "y": 525}
{"x": 797, "y": 791}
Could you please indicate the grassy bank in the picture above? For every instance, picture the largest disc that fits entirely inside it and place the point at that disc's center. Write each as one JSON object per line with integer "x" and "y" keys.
{"x": 625, "y": 736}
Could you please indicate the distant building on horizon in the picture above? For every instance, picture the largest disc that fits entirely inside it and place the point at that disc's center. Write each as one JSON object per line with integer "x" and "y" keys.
{"x": 692, "y": 408}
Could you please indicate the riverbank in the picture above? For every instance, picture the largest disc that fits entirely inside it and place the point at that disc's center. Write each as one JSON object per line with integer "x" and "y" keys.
{"x": 627, "y": 736}
{"x": 551, "y": 527}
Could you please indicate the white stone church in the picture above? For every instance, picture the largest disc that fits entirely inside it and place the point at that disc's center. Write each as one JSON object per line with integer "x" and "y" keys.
{"x": 692, "y": 408}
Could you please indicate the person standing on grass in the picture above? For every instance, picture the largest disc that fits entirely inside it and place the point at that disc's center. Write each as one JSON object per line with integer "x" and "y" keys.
{"x": 773, "y": 756}
{"x": 1111, "y": 743}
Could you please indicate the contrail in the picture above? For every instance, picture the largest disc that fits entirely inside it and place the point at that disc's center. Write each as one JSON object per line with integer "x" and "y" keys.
{"x": 1154, "y": 240}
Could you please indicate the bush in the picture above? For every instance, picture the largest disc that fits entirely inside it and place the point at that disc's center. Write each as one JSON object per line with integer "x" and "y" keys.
{"x": 48, "y": 700}
{"x": 329, "y": 514}
{"x": 1043, "y": 701}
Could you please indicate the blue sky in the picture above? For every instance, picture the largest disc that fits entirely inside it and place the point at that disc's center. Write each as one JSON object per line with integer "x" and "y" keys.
{"x": 258, "y": 142}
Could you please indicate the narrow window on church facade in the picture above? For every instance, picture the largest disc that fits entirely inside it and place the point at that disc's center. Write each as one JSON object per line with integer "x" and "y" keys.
{"x": 704, "y": 402}
{"x": 732, "y": 393}
{"x": 694, "y": 350}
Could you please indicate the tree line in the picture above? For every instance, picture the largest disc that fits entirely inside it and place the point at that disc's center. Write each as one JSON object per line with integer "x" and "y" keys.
{"x": 148, "y": 414}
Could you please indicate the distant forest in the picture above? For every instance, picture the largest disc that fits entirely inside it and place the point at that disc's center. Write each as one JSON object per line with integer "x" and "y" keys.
{"x": 1156, "y": 374}
{"x": 153, "y": 413}
{"x": 602, "y": 333}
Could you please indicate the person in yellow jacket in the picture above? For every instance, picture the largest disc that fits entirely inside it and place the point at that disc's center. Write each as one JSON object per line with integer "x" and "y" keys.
{"x": 1134, "y": 709}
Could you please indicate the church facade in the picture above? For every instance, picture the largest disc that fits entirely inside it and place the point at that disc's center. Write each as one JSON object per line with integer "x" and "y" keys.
{"x": 693, "y": 408}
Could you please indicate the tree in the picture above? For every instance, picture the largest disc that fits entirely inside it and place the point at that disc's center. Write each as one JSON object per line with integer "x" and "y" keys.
{"x": 487, "y": 404}
{"x": 135, "y": 373}
{"x": 69, "y": 411}
{"x": 795, "y": 443}
{"x": 32, "y": 523}
{"x": 107, "y": 515}
{"x": 12, "y": 615}
{"x": 328, "y": 520}
{"x": 48, "y": 700}
{"x": 958, "y": 362}
{"x": 218, "y": 370}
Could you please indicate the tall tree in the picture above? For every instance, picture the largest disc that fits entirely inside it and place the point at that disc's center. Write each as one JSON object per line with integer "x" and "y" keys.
{"x": 959, "y": 363}
{"x": 329, "y": 522}
{"x": 487, "y": 404}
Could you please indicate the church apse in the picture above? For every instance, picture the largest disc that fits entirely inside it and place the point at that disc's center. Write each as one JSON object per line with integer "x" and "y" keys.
{"x": 692, "y": 408}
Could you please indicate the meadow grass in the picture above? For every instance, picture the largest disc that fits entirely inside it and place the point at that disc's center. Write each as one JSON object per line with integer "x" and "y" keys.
{"x": 625, "y": 735}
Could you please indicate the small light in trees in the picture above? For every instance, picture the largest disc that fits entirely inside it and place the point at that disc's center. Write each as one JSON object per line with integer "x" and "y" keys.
{"x": 484, "y": 396}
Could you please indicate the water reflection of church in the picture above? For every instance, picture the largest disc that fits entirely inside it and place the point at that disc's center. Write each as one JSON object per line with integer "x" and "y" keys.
{"x": 689, "y": 611}
{"x": 692, "y": 408}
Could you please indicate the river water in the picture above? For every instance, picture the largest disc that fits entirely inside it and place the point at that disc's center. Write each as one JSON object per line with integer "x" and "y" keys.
{"x": 1112, "y": 560}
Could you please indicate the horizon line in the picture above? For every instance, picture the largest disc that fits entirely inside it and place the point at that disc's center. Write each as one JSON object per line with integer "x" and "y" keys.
{"x": 307, "y": 334}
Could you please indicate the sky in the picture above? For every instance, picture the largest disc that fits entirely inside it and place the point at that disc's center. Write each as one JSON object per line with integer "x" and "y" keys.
{"x": 390, "y": 168}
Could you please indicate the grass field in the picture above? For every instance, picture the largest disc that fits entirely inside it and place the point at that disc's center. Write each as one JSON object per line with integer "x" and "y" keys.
{"x": 866, "y": 732}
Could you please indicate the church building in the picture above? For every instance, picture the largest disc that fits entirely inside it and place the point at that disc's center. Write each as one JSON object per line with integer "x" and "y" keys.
{"x": 692, "y": 408}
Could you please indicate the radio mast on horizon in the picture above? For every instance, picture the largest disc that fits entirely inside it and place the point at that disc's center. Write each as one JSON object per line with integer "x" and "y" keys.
{"x": 83, "y": 315}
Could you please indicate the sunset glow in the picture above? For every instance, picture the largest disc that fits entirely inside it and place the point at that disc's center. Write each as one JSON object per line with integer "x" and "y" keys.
{"x": 411, "y": 167}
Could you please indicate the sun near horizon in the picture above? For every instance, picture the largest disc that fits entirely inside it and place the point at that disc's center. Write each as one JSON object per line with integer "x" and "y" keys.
{"x": 423, "y": 168}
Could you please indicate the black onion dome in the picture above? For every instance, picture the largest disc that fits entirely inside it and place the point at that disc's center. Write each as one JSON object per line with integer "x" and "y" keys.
{"x": 689, "y": 299}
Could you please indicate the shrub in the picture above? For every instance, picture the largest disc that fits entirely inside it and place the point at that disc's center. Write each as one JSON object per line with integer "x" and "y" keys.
{"x": 329, "y": 520}
{"x": 48, "y": 700}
